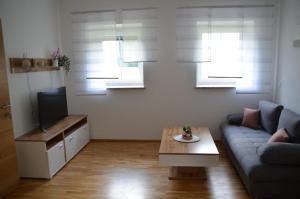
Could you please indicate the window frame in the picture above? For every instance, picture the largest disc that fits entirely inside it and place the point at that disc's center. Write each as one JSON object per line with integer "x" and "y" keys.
{"x": 116, "y": 84}
{"x": 123, "y": 84}
{"x": 215, "y": 81}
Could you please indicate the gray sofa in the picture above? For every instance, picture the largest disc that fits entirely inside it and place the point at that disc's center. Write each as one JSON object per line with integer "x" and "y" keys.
{"x": 267, "y": 170}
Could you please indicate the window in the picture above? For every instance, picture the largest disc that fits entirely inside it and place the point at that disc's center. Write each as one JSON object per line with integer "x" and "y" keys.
{"x": 119, "y": 74}
{"x": 110, "y": 53}
{"x": 223, "y": 68}
{"x": 230, "y": 46}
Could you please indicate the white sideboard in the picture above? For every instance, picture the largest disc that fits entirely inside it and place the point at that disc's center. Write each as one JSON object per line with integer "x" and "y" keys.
{"x": 43, "y": 154}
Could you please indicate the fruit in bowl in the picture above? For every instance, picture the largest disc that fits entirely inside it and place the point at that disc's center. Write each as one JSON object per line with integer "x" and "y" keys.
{"x": 187, "y": 133}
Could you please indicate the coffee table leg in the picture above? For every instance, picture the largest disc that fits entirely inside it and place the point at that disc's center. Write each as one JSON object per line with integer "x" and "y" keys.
{"x": 187, "y": 173}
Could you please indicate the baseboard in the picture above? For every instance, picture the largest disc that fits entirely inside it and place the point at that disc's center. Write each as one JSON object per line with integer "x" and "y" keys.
{"x": 133, "y": 140}
{"x": 123, "y": 140}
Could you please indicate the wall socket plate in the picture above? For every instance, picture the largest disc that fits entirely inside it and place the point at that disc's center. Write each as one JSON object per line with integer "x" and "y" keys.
{"x": 297, "y": 43}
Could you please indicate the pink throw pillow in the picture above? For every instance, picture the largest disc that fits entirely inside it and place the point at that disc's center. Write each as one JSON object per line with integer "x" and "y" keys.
{"x": 251, "y": 118}
{"x": 281, "y": 135}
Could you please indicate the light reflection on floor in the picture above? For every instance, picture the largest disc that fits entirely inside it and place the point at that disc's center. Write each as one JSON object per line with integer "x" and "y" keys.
{"x": 128, "y": 185}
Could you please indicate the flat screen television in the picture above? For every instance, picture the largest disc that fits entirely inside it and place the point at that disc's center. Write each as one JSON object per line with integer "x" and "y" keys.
{"x": 52, "y": 107}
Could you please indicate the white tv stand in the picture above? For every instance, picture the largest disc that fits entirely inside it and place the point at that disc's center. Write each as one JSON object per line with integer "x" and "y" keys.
{"x": 43, "y": 154}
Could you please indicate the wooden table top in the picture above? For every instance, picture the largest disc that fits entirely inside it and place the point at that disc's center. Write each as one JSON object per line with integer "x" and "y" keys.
{"x": 206, "y": 145}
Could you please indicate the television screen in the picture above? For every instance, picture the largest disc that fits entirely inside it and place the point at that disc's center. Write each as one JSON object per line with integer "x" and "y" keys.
{"x": 52, "y": 106}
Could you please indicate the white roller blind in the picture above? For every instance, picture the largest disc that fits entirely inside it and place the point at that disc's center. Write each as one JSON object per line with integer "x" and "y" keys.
{"x": 259, "y": 33}
{"x": 90, "y": 32}
{"x": 232, "y": 46}
{"x": 139, "y": 35}
{"x": 191, "y": 23}
{"x": 102, "y": 43}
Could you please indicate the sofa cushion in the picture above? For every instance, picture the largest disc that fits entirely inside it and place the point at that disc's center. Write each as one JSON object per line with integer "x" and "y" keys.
{"x": 269, "y": 115}
{"x": 243, "y": 140}
{"x": 243, "y": 143}
{"x": 251, "y": 118}
{"x": 280, "y": 153}
{"x": 291, "y": 122}
{"x": 281, "y": 135}
{"x": 235, "y": 119}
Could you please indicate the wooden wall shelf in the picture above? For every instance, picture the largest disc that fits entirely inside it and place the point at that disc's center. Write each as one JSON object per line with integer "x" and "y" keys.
{"x": 26, "y": 65}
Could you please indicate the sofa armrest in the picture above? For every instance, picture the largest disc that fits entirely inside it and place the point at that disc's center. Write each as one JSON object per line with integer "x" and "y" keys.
{"x": 235, "y": 119}
{"x": 280, "y": 153}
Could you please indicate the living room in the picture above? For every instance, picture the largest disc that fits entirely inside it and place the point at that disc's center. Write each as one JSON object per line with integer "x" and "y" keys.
{"x": 128, "y": 76}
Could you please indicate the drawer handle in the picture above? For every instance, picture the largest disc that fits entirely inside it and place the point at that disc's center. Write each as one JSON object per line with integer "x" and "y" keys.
{"x": 61, "y": 146}
{"x": 71, "y": 138}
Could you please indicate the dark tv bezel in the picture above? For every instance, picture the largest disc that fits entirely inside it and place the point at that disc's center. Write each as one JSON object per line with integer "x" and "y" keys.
{"x": 61, "y": 91}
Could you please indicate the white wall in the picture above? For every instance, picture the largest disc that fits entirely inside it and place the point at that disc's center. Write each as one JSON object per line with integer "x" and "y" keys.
{"x": 29, "y": 26}
{"x": 169, "y": 98}
{"x": 289, "y": 57}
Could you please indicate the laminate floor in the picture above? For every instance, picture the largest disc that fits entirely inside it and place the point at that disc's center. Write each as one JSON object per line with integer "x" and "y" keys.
{"x": 130, "y": 170}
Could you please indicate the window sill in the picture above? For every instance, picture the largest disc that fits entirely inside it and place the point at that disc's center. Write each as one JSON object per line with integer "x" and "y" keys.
{"x": 214, "y": 86}
{"x": 126, "y": 87}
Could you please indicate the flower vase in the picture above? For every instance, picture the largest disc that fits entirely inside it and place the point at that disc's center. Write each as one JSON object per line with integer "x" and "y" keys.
{"x": 187, "y": 136}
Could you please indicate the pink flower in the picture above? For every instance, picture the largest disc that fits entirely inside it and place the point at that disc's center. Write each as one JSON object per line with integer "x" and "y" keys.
{"x": 56, "y": 54}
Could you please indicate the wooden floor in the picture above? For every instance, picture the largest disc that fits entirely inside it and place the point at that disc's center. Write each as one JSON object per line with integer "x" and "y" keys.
{"x": 130, "y": 170}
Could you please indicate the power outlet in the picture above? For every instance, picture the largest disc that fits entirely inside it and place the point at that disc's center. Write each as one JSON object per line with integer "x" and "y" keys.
{"x": 297, "y": 43}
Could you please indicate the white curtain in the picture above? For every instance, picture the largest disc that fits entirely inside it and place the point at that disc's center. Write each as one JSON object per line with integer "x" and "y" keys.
{"x": 101, "y": 38}
{"x": 232, "y": 46}
{"x": 259, "y": 33}
{"x": 90, "y": 30}
{"x": 140, "y": 27}
{"x": 191, "y": 23}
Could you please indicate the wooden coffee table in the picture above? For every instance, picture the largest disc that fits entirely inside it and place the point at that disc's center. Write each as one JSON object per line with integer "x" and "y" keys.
{"x": 188, "y": 160}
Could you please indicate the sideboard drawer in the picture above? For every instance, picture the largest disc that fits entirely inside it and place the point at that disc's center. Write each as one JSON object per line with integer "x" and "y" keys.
{"x": 76, "y": 141}
{"x": 56, "y": 158}
{"x": 83, "y": 136}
